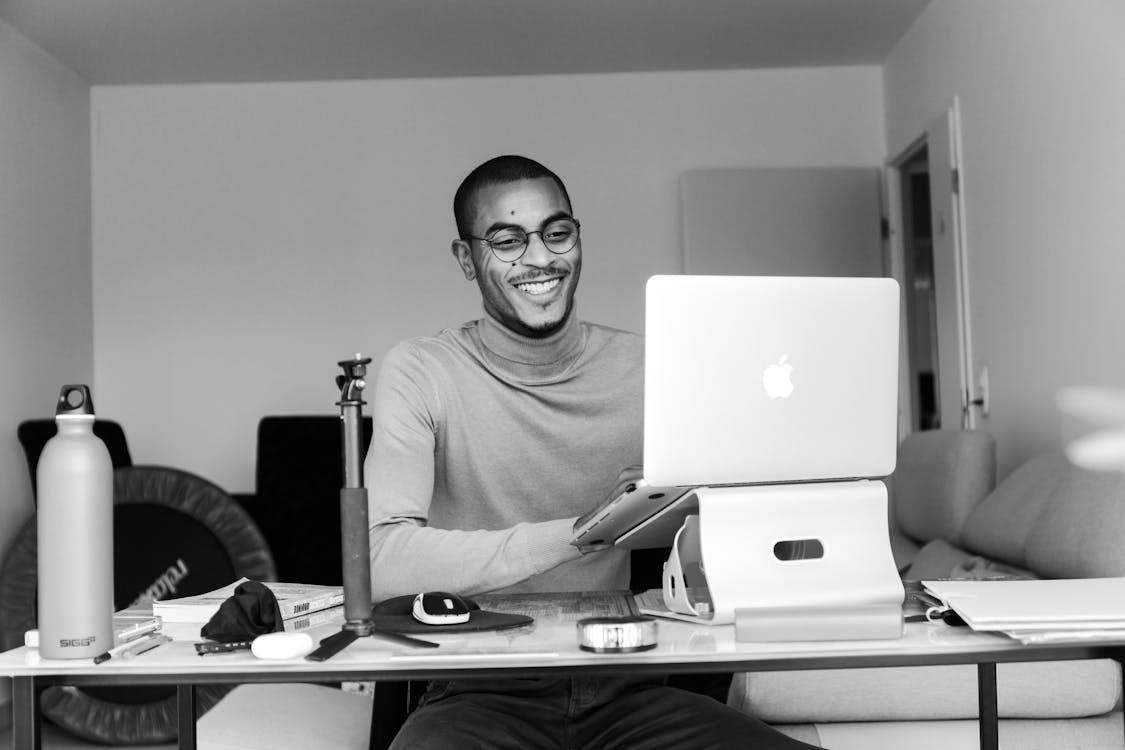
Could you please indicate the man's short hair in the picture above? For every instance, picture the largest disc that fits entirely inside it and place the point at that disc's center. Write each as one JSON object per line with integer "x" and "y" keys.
{"x": 499, "y": 170}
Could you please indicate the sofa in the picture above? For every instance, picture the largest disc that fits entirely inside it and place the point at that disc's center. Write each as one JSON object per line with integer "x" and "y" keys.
{"x": 1047, "y": 519}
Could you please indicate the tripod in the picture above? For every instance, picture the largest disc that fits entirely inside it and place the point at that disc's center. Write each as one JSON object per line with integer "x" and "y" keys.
{"x": 353, "y": 522}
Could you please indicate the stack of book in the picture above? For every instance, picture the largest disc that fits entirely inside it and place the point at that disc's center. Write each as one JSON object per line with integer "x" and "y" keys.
{"x": 1070, "y": 610}
{"x": 302, "y": 605}
{"x": 132, "y": 623}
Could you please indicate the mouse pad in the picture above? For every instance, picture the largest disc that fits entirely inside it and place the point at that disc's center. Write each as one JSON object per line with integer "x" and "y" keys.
{"x": 395, "y": 614}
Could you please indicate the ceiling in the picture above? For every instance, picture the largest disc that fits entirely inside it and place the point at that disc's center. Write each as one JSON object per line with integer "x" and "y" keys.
{"x": 110, "y": 42}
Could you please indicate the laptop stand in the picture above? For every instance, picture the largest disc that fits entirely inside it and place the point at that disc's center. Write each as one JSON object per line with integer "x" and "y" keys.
{"x": 788, "y": 562}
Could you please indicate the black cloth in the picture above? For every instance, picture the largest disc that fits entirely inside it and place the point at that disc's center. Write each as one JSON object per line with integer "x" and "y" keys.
{"x": 251, "y": 611}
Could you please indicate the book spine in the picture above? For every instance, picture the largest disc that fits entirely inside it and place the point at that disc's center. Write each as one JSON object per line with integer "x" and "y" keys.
{"x": 290, "y": 609}
{"x": 174, "y": 610}
{"x": 313, "y": 619}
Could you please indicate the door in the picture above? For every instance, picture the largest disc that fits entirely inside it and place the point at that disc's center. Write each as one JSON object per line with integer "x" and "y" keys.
{"x": 951, "y": 299}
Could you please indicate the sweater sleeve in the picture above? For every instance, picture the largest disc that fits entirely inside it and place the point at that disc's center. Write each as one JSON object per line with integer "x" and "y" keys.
{"x": 408, "y": 556}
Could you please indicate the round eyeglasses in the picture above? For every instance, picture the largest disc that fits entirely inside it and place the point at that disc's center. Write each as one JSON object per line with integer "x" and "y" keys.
{"x": 509, "y": 244}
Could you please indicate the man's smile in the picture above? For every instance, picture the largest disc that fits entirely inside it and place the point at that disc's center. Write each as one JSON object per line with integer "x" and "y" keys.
{"x": 538, "y": 287}
{"x": 535, "y": 288}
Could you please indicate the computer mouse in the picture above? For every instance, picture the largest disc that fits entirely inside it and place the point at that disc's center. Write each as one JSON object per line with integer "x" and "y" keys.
{"x": 440, "y": 608}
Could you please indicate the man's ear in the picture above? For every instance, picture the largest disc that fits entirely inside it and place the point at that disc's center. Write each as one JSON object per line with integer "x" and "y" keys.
{"x": 464, "y": 255}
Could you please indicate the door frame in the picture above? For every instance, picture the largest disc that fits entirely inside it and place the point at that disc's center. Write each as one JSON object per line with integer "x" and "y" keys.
{"x": 947, "y": 126}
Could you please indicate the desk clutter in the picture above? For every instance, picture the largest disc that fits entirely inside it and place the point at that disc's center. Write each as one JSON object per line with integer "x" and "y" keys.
{"x": 293, "y": 600}
{"x": 267, "y": 618}
{"x": 173, "y": 533}
{"x": 1038, "y": 611}
{"x": 132, "y": 630}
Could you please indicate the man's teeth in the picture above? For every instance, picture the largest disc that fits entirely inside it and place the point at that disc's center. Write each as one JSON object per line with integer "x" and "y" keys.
{"x": 538, "y": 287}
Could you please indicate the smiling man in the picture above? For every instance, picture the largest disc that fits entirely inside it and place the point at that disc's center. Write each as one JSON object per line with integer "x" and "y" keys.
{"x": 489, "y": 440}
{"x": 534, "y": 297}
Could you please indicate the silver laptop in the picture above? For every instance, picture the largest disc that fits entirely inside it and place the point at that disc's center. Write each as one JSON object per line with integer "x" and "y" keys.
{"x": 752, "y": 380}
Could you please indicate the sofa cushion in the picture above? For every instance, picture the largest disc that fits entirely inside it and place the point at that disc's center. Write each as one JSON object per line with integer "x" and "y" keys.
{"x": 940, "y": 559}
{"x": 1094, "y": 733}
{"x": 981, "y": 568}
{"x": 904, "y": 550}
{"x": 1080, "y": 531}
{"x": 915, "y": 735}
{"x": 936, "y": 559}
{"x": 941, "y": 475}
{"x": 1060, "y": 689}
{"x": 999, "y": 527}
{"x": 805, "y": 733}
{"x": 285, "y": 716}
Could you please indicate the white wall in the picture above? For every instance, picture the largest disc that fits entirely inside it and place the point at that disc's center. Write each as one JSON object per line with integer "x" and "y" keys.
{"x": 246, "y": 237}
{"x": 1041, "y": 85}
{"x": 46, "y": 330}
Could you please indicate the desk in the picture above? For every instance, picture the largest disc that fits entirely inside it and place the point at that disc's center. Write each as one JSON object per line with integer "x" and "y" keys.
{"x": 548, "y": 647}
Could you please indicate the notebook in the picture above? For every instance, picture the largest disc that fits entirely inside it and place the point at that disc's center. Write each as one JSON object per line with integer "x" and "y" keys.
{"x": 753, "y": 380}
{"x": 1052, "y": 604}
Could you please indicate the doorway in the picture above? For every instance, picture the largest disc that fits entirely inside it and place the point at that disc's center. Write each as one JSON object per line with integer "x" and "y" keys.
{"x": 929, "y": 260}
{"x": 918, "y": 291}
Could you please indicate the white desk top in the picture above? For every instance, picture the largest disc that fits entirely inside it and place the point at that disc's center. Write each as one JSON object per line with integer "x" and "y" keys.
{"x": 544, "y": 646}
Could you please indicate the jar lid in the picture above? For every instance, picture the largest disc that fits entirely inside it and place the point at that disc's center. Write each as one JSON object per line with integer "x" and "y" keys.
{"x": 616, "y": 635}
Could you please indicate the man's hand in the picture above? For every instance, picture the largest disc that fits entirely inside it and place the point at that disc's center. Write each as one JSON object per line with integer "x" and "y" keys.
{"x": 627, "y": 481}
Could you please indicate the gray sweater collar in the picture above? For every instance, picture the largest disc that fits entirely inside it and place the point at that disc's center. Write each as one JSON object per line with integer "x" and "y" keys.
{"x": 526, "y": 357}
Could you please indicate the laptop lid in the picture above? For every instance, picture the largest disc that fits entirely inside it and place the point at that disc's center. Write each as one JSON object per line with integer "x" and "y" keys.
{"x": 755, "y": 379}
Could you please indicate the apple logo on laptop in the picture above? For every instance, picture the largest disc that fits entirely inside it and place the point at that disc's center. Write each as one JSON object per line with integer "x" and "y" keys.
{"x": 776, "y": 378}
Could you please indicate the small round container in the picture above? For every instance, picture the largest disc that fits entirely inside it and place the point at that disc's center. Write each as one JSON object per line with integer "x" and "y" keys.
{"x": 616, "y": 635}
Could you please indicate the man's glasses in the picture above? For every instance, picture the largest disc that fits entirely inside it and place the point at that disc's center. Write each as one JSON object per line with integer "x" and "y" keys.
{"x": 509, "y": 244}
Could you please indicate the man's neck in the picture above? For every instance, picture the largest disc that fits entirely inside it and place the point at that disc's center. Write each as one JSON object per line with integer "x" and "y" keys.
{"x": 525, "y": 356}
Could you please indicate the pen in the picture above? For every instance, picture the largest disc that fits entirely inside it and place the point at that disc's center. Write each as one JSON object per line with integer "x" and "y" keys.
{"x": 133, "y": 648}
{"x": 403, "y": 639}
{"x": 146, "y": 646}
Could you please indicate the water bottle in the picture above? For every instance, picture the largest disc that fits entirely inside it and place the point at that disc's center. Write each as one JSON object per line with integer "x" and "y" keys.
{"x": 75, "y": 534}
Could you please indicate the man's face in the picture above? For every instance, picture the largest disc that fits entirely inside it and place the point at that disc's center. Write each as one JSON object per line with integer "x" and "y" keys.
{"x": 534, "y": 295}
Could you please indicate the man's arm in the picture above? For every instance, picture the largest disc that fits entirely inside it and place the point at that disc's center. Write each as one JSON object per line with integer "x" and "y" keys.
{"x": 407, "y": 556}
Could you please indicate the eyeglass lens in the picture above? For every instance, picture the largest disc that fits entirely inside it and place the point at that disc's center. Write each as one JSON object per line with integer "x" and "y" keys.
{"x": 510, "y": 244}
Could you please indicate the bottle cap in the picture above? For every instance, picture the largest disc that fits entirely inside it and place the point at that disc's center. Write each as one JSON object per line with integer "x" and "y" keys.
{"x": 75, "y": 400}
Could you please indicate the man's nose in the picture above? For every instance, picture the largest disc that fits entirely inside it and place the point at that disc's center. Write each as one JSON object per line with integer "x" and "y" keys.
{"x": 537, "y": 253}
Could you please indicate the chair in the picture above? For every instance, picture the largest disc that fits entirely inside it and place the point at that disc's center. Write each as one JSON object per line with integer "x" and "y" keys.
{"x": 296, "y": 500}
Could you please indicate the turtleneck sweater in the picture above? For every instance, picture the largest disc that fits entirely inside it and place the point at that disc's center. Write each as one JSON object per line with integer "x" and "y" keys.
{"x": 487, "y": 445}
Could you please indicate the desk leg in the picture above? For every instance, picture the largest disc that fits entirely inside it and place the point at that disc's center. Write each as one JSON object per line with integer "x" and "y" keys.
{"x": 26, "y": 722}
{"x": 1120, "y": 659}
{"x": 989, "y": 716}
{"x": 185, "y": 705}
